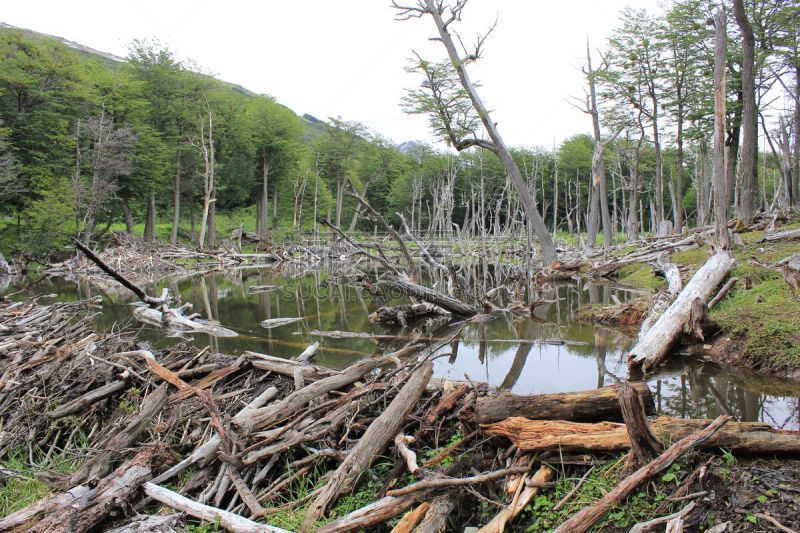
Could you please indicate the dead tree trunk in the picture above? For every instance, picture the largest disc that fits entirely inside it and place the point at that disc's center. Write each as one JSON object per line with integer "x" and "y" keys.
{"x": 497, "y": 145}
{"x": 723, "y": 238}
{"x": 584, "y": 406}
{"x": 206, "y": 148}
{"x": 748, "y": 194}
{"x": 653, "y": 347}
{"x": 429, "y": 295}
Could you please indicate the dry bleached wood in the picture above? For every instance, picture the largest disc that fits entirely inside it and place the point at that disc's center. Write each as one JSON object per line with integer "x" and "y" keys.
{"x": 378, "y": 435}
{"x": 653, "y": 347}
{"x": 740, "y": 437}
{"x": 588, "y": 516}
{"x": 84, "y": 401}
{"x": 401, "y": 443}
{"x": 584, "y": 406}
{"x": 522, "y": 497}
{"x": 265, "y": 417}
{"x": 228, "y": 520}
{"x": 436, "y": 517}
{"x": 663, "y": 299}
{"x": 287, "y": 367}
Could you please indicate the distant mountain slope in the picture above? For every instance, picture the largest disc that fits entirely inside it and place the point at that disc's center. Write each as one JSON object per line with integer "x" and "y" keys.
{"x": 313, "y": 127}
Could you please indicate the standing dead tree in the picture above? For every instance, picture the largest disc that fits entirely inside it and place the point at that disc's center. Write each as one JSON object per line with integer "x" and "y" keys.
{"x": 206, "y": 149}
{"x": 723, "y": 237}
{"x": 110, "y": 158}
{"x": 451, "y": 100}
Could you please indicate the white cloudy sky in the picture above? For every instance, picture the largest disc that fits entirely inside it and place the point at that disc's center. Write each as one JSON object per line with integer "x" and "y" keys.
{"x": 345, "y": 58}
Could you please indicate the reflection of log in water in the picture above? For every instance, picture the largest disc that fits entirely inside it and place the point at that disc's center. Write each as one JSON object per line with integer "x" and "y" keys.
{"x": 521, "y": 356}
{"x": 600, "y": 349}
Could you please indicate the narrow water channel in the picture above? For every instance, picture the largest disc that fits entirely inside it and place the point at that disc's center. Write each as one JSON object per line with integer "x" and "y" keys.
{"x": 552, "y": 352}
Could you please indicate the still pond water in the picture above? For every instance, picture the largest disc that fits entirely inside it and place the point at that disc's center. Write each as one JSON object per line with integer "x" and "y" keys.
{"x": 518, "y": 354}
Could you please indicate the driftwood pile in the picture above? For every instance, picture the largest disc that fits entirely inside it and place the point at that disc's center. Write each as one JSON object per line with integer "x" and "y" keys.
{"x": 159, "y": 438}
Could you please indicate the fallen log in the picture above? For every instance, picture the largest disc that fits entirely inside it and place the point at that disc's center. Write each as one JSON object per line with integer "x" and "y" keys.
{"x": 790, "y": 234}
{"x": 644, "y": 444}
{"x": 379, "y": 433}
{"x": 408, "y": 288}
{"x": 654, "y": 346}
{"x": 522, "y": 497}
{"x": 433, "y": 484}
{"x": 287, "y": 367}
{"x": 436, "y": 517}
{"x": 588, "y": 516}
{"x": 401, "y": 315}
{"x": 411, "y": 519}
{"x": 278, "y": 322}
{"x": 174, "y": 318}
{"x": 308, "y": 353}
{"x": 663, "y": 299}
{"x": 743, "y": 438}
{"x": 373, "y": 514}
{"x": 83, "y": 508}
{"x": 84, "y": 401}
{"x": 265, "y": 417}
{"x": 584, "y": 406}
{"x": 228, "y": 520}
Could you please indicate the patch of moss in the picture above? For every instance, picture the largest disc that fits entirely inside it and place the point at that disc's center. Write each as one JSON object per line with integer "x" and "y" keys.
{"x": 767, "y": 320}
{"x": 694, "y": 257}
{"x": 640, "y": 275}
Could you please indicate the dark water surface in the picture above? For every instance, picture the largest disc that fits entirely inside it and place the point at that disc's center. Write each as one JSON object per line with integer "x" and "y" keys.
{"x": 518, "y": 354}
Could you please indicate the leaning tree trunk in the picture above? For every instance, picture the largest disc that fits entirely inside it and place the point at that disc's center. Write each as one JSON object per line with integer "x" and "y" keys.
{"x": 748, "y": 194}
{"x": 723, "y": 238}
{"x": 500, "y": 148}
{"x": 126, "y": 212}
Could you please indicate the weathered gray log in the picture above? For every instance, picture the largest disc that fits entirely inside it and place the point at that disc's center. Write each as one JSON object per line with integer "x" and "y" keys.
{"x": 228, "y": 520}
{"x": 286, "y": 367}
{"x": 585, "y": 406}
{"x": 373, "y": 514}
{"x": 88, "y": 399}
{"x": 265, "y": 417}
{"x": 651, "y": 350}
{"x": 83, "y": 508}
{"x": 408, "y": 288}
{"x": 663, "y": 299}
{"x": 790, "y": 234}
{"x": 436, "y": 517}
{"x": 380, "y": 432}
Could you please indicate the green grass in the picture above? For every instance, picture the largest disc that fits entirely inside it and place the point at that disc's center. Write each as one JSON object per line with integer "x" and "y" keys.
{"x": 641, "y": 505}
{"x": 19, "y": 492}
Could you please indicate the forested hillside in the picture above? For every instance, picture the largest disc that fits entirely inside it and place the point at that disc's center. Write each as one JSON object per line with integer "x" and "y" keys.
{"x": 147, "y": 144}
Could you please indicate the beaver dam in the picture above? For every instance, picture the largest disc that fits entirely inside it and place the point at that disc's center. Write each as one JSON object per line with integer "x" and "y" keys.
{"x": 335, "y": 396}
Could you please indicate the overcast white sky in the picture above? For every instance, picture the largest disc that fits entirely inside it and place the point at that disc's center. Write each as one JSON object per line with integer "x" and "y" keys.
{"x": 345, "y": 58}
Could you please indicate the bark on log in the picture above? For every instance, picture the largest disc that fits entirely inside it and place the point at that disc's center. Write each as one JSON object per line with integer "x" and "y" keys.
{"x": 584, "y": 406}
{"x": 742, "y": 438}
{"x": 429, "y": 295}
{"x": 228, "y": 520}
{"x": 644, "y": 444}
{"x": 265, "y": 417}
{"x": 588, "y": 516}
{"x": 84, "y": 401}
{"x": 373, "y": 514}
{"x": 374, "y": 440}
{"x": 653, "y": 347}
{"x": 522, "y": 497}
